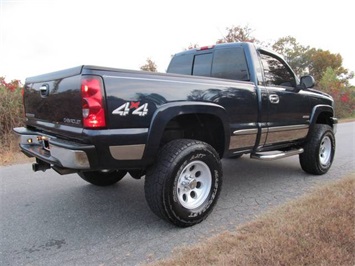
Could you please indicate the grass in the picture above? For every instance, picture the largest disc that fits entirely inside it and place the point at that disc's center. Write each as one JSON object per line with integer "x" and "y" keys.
{"x": 347, "y": 120}
{"x": 317, "y": 229}
{"x": 10, "y": 152}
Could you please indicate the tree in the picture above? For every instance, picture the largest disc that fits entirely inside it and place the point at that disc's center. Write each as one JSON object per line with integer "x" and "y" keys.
{"x": 306, "y": 60}
{"x": 149, "y": 66}
{"x": 320, "y": 60}
{"x": 238, "y": 34}
{"x": 294, "y": 53}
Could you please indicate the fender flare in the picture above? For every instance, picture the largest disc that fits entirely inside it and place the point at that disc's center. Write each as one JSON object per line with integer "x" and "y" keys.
{"x": 319, "y": 109}
{"x": 163, "y": 115}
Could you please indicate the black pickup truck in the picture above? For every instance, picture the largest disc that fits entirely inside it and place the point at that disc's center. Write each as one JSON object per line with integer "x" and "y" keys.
{"x": 219, "y": 101}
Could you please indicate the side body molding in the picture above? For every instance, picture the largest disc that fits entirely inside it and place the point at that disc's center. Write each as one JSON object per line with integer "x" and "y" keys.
{"x": 169, "y": 111}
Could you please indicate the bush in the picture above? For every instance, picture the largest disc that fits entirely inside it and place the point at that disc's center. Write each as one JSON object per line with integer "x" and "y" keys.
{"x": 11, "y": 111}
{"x": 342, "y": 93}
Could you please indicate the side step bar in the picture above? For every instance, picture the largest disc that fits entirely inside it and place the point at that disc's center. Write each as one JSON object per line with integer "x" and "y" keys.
{"x": 274, "y": 155}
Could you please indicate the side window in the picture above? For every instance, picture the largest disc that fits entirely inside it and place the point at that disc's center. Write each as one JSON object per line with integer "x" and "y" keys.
{"x": 276, "y": 73}
{"x": 202, "y": 65}
{"x": 181, "y": 64}
{"x": 230, "y": 63}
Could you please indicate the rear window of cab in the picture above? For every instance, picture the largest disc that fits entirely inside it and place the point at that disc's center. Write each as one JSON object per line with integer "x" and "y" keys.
{"x": 225, "y": 63}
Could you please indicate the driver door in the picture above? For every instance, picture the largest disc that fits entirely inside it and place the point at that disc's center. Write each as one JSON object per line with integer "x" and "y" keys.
{"x": 288, "y": 111}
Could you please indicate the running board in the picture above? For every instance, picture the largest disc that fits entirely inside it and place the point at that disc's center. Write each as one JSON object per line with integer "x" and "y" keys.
{"x": 274, "y": 155}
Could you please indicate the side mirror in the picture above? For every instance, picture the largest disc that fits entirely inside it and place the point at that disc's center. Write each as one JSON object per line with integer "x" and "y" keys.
{"x": 307, "y": 82}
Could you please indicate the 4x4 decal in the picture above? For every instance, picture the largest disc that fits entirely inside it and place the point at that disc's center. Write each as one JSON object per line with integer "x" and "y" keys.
{"x": 124, "y": 109}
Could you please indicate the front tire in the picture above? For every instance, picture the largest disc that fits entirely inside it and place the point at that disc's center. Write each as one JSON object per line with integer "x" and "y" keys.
{"x": 319, "y": 151}
{"x": 184, "y": 184}
{"x": 103, "y": 178}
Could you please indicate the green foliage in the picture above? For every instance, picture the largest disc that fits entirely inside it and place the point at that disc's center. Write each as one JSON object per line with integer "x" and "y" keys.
{"x": 11, "y": 108}
{"x": 294, "y": 53}
{"x": 320, "y": 60}
{"x": 306, "y": 60}
{"x": 343, "y": 95}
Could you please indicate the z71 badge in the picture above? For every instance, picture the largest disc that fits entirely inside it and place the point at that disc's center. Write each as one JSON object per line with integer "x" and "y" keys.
{"x": 124, "y": 109}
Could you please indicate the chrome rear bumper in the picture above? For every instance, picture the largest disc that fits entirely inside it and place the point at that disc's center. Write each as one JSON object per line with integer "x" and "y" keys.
{"x": 52, "y": 150}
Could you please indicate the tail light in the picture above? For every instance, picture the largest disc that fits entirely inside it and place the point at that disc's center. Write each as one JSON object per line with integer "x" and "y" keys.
{"x": 93, "y": 102}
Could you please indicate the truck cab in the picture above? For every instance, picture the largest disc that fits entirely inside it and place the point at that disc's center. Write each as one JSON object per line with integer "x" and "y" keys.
{"x": 275, "y": 113}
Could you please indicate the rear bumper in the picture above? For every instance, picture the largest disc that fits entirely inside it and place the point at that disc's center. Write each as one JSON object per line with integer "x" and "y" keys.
{"x": 54, "y": 151}
{"x": 107, "y": 149}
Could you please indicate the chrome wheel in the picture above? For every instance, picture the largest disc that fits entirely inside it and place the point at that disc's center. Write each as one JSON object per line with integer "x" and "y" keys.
{"x": 184, "y": 184}
{"x": 325, "y": 150}
{"x": 194, "y": 185}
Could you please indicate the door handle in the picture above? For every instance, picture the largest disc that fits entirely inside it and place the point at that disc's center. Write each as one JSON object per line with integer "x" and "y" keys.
{"x": 274, "y": 98}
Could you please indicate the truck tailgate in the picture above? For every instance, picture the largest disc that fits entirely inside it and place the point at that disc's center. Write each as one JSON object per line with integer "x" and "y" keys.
{"x": 54, "y": 99}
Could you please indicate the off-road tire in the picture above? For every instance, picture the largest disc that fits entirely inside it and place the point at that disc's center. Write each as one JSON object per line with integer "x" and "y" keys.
{"x": 183, "y": 186}
{"x": 103, "y": 178}
{"x": 319, "y": 151}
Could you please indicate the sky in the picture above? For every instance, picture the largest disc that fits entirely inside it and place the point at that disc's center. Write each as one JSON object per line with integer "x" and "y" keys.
{"x": 38, "y": 36}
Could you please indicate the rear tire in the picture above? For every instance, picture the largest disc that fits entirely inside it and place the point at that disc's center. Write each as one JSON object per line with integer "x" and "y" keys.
{"x": 103, "y": 178}
{"x": 319, "y": 151}
{"x": 184, "y": 184}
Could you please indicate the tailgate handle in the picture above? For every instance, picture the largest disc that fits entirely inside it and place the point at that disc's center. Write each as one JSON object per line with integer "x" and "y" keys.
{"x": 44, "y": 90}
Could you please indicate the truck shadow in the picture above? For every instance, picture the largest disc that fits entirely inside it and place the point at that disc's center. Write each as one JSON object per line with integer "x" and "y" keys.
{"x": 123, "y": 205}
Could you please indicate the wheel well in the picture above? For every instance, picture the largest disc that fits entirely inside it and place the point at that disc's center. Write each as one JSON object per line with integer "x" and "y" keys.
{"x": 325, "y": 118}
{"x": 204, "y": 127}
